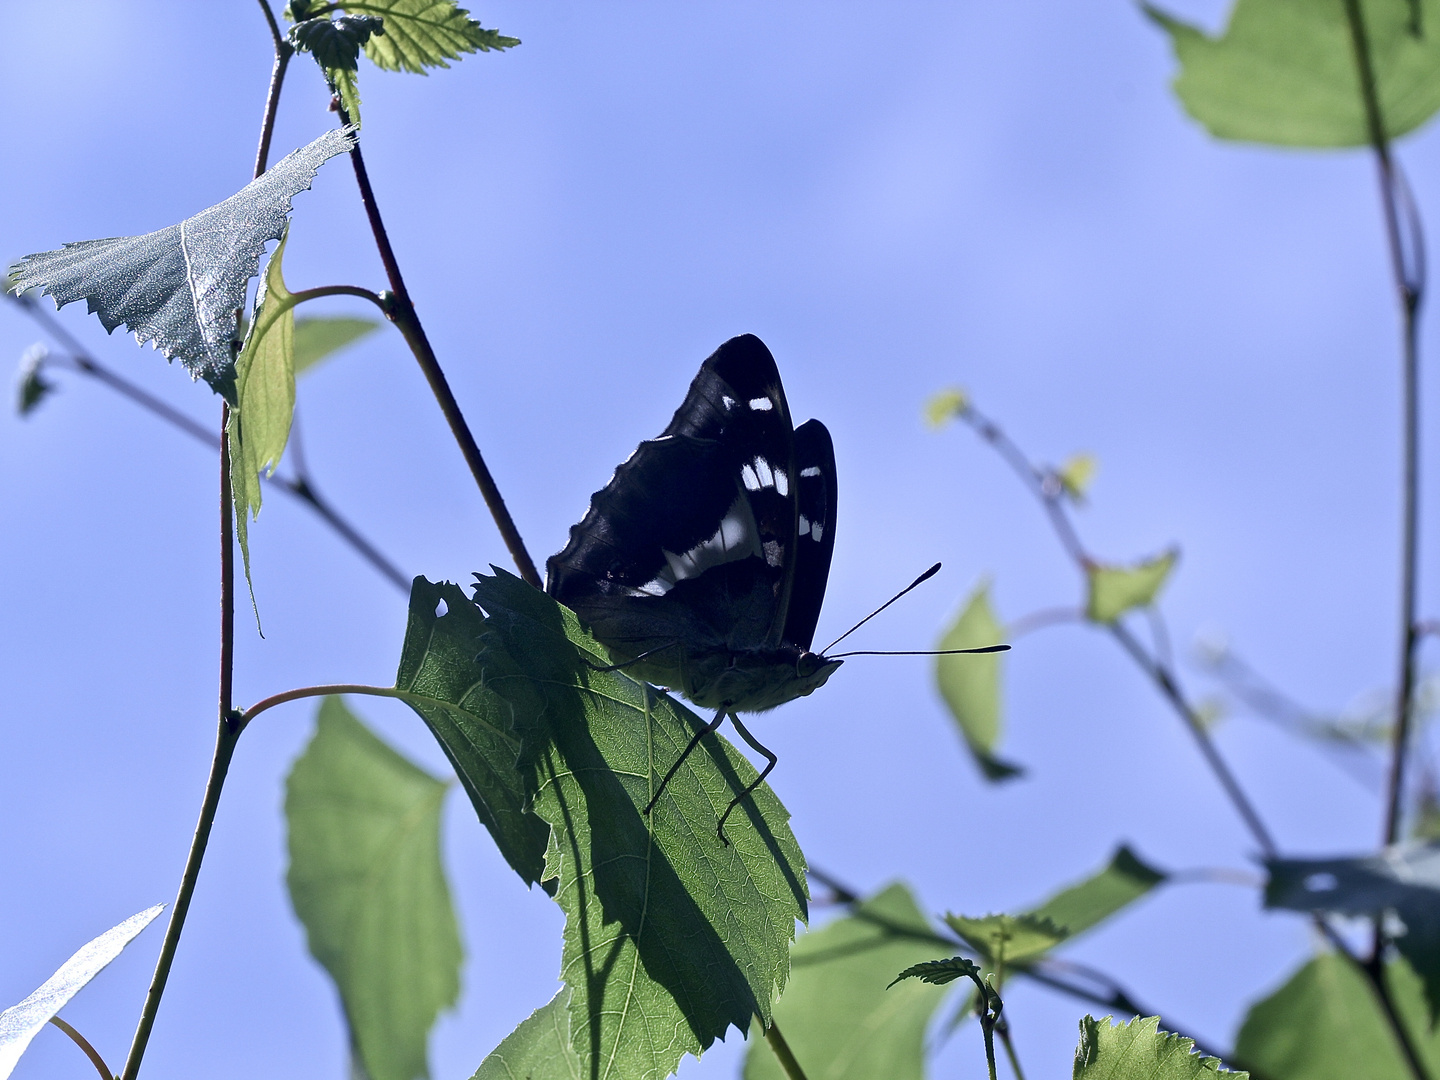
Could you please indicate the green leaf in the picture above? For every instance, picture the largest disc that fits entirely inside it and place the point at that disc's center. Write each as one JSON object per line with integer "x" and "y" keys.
{"x": 318, "y": 338}
{"x": 839, "y": 1019}
{"x": 259, "y": 425}
{"x": 946, "y": 406}
{"x": 1007, "y": 940}
{"x": 1285, "y": 72}
{"x": 1139, "y": 1050}
{"x": 366, "y": 881}
{"x": 1324, "y": 1024}
{"x": 33, "y": 387}
{"x": 670, "y": 935}
{"x": 539, "y": 1049}
{"x": 1404, "y": 879}
{"x": 335, "y": 44}
{"x": 940, "y": 972}
{"x": 425, "y": 33}
{"x": 1114, "y": 590}
{"x": 20, "y": 1023}
{"x": 1076, "y": 476}
{"x": 1084, "y": 905}
{"x": 970, "y": 685}
{"x": 181, "y": 287}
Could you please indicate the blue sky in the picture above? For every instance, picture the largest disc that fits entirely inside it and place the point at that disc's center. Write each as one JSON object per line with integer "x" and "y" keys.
{"x": 897, "y": 199}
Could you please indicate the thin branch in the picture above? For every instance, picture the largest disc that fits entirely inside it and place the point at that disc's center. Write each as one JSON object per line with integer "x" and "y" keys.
{"x": 1408, "y": 272}
{"x": 300, "y": 487}
{"x": 1165, "y": 681}
{"x": 84, "y": 1044}
{"x": 283, "y": 51}
{"x": 405, "y": 318}
{"x": 1046, "y": 487}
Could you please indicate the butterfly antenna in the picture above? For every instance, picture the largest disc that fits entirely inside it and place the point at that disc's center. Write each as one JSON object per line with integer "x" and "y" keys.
{"x": 919, "y": 652}
{"x": 926, "y": 576}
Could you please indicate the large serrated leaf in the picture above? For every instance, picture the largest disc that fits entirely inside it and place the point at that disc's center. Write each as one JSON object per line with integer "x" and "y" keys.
{"x": 837, "y": 1015}
{"x": 1404, "y": 879}
{"x": 671, "y": 936}
{"x": 1114, "y": 590}
{"x": 181, "y": 287}
{"x": 1284, "y": 72}
{"x": 970, "y": 685}
{"x": 422, "y": 34}
{"x": 1324, "y": 1024}
{"x": 1139, "y": 1050}
{"x": 19, "y": 1023}
{"x": 366, "y": 881}
{"x": 539, "y": 1049}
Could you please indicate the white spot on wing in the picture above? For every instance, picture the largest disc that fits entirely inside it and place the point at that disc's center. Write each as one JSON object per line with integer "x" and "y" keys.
{"x": 813, "y": 470}
{"x": 762, "y": 470}
{"x": 657, "y": 587}
{"x": 804, "y": 525}
{"x": 727, "y": 401}
{"x": 750, "y": 478}
{"x": 736, "y": 538}
{"x": 761, "y": 404}
{"x": 817, "y": 530}
{"x": 782, "y": 482}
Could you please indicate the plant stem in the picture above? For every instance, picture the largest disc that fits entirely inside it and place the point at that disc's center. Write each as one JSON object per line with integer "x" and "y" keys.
{"x": 225, "y": 742}
{"x": 404, "y": 316}
{"x": 84, "y": 1044}
{"x": 1409, "y": 279}
{"x": 783, "y": 1053}
{"x": 229, "y": 728}
{"x": 297, "y": 694}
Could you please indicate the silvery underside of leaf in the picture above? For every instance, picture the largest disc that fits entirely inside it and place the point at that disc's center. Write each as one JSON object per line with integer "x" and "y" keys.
{"x": 181, "y": 287}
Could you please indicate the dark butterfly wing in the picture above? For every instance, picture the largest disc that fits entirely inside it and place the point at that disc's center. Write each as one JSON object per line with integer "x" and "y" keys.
{"x": 815, "y": 536}
{"x": 690, "y": 542}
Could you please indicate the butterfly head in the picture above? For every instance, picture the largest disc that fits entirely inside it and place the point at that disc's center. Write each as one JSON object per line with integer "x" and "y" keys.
{"x": 754, "y": 680}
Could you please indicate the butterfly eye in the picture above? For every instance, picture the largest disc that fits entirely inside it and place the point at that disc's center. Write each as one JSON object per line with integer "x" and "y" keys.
{"x": 808, "y": 664}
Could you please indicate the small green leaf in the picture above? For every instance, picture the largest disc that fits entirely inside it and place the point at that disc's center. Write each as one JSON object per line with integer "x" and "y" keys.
{"x": 335, "y": 44}
{"x": 19, "y": 1023}
{"x": 181, "y": 287}
{"x": 670, "y": 935}
{"x": 946, "y": 406}
{"x": 1324, "y": 1024}
{"x": 259, "y": 425}
{"x": 970, "y": 684}
{"x": 1090, "y": 902}
{"x": 1007, "y": 940}
{"x": 1139, "y": 1050}
{"x": 539, "y": 1049}
{"x": 1404, "y": 879}
{"x": 1114, "y": 590}
{"x": 425, "y": 33}
{"x": 1284, "y": 72}
{"x": 1076, "y": 476}
{"x": 839, "y": 1019}
{"x": 317, "y": 339}
{"x": 33, "y": 387}
{"x": 367, "y": 883}
{"x": 940, "y": 972}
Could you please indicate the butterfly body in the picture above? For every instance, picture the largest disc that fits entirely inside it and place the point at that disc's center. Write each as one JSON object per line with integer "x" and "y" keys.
{"x": 702, "y": 564}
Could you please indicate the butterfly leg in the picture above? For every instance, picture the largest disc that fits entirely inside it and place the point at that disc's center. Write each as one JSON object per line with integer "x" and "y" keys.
{"x": 770, "y": 758}
{"x": 694, "y": 742}
{"x": 628, "y": 663}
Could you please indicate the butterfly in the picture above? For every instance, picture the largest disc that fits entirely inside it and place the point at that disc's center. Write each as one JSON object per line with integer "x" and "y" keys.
{"x": 702, "y": 564}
